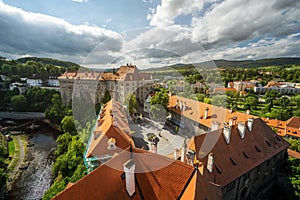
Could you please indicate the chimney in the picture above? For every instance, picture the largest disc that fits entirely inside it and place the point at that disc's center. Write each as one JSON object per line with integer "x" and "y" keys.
{"x": 190, "y": 155}
{"x": 248, "y": 112}
{"x": 230, "y": 122}
{"x": 210, "y": 162}
{"x": 242, "y": 129}
{"x": 153, "y": 147}
{"x": 250, "y": 123}
{"x": 175, "y": 154}
{"x": 234, "y": 120}
{"x": 230, "y": 111}
{"x": 180, "y": 104}
{"x": 184, "y": 106}
{"x": 111, "y": 144}
{"x": 129, "y": 168}
{"x": 176, "y": 106}
{"x": 206, "y": 113}
{"x": 215, "y": 125}
{"x": 227, "y": 133}
{"x": 183, "y": 151}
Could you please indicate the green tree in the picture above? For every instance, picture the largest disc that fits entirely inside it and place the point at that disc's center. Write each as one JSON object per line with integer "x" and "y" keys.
{"x": 284, "y": 101}
{"x": 219, "y": 100}
{"x": 161, "y": 97}
{"x": 251, "y": 102}
{"x": 56, "y": 111}
{"x": 68, "y": 125}
{"x": 200, "y": 97}
{"x": 6, "y": 69}
{"x": 106, "y": 98}
{"x": 270, "y": 96}
{"x": 131, "y": 103}
{"x": 63, "y": 143}
{"x": 55, "y": 188}
{"x": 19, "y": 102}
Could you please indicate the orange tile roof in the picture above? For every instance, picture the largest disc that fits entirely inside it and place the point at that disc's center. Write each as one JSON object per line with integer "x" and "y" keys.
{"x": 199, "y": 188}
{"x": 240, "y": 155}
{"x": 68, "y": 75}
{"x": 293, "y": 127}
{"x": 112, "y": 123}
{"x": 293, "y": 153}
{"x": 195, "y": 111}
{"x": 294, "y": 122}
{"x": 278, "y": 124}
{"x": 249, "y": 86}
{"x": 119, "y": 74}
{"x": 91, "y": 75}
{"x": 156, "y": 177}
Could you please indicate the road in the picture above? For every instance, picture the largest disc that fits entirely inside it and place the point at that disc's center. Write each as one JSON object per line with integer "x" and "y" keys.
{"x": 22, "y": 115}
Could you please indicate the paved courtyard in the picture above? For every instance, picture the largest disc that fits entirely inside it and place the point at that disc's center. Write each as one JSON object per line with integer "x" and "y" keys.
{"x": 168, "y": 141}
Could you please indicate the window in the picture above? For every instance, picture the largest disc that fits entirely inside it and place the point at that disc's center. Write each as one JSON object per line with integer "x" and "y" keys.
{"x": 246, "y": 155}
{"x": 233, "y": 161}
{"x": 257, "y": 148}
{"x": 219, "y": 170}
{"x": 268, "y": 143}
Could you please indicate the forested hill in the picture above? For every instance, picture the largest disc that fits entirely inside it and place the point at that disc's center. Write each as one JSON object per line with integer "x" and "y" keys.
{"x": 235, "y": 64}
{"x": 258, "y": 63}
{"x": 34, "y": 67}
{"x": 49, "y": 61}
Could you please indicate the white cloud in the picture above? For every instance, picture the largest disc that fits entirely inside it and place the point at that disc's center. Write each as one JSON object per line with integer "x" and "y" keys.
{"x": 80, "y": 1}
{"x": 169, "y": 10}
{"x": 37, "y": 34}
{"x": 240, "y": 20}
{"x": 148, "y": 1}
{"x": 283, "y": 47}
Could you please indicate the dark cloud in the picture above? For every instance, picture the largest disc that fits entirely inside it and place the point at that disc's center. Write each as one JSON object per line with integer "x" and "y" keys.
{"x": 31, "y": 33}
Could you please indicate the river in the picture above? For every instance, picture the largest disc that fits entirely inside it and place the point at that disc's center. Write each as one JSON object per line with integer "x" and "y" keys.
{"x": 37, "y": 178}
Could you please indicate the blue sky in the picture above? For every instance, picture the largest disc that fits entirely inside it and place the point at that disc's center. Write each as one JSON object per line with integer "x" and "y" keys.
{"x": 117, "y": 15}
{"x": 149, "y": 32}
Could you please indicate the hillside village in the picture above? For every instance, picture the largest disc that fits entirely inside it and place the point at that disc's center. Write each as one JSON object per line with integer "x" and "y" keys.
{"x": 191, "y": 129}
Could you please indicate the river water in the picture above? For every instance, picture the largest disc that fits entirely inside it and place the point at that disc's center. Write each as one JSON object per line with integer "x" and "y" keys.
{"x": 37, "y": 178}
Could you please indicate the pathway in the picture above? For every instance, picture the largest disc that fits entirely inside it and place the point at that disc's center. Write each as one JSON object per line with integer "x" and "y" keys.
{"x": 20, "y": 158}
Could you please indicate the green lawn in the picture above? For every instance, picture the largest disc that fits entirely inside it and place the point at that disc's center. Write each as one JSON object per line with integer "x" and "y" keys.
{"x": 11, "y": 148}
{"x": 16, "y": 155}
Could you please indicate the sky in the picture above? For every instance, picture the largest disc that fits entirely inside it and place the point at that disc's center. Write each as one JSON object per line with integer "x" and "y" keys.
{"x": 149, "y": 33}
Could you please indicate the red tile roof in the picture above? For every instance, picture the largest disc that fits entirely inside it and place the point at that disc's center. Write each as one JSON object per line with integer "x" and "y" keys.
{"x": 200, "y": 188}
{"x": 156, "y": 177}
{"x": 196, "y": 111}
{"x": 293, "y": 153}
{"x": 111, "y": 124}
{"x": 293, "y": 127}
{"x": 240, "y": 155}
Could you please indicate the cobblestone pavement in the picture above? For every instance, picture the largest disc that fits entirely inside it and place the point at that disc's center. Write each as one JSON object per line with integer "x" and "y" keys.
{"x": 168, "y": 141}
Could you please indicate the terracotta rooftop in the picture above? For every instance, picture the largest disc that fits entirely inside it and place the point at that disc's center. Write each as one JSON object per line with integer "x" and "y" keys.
{"x": 278, "y": 124}
{"x": 112, "y": 123}
{"x": 294, "y": 122}
{"x": 293, "y": 153}
{"x": 156, "y": 177}
{"x": 123, "y": 73}
{"x": 88, "y": 75}
{"x": 293, "y": 127}
{"x": 199, "y": 188}
{"x": 196, "y": 111}
{"x": 68, "y": 75}
{"x": 240, "y": 155}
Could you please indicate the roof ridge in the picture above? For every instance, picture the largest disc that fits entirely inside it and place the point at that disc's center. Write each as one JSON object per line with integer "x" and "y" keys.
{"x": 194, "y": 173}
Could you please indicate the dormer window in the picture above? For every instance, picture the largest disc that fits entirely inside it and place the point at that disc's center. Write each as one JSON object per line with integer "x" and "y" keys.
{"x": 111, "y": 144}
